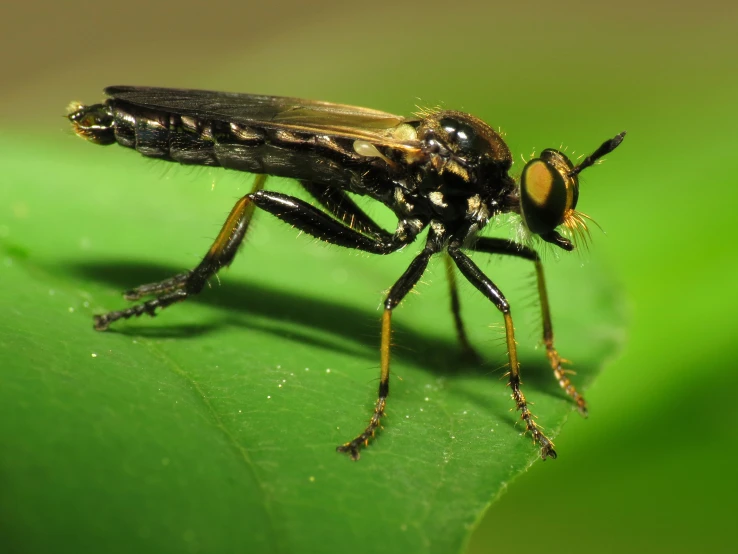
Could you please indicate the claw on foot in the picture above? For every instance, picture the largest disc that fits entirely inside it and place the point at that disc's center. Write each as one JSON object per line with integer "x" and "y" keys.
{"x": 565, "y": 383}
{"x": 547, "y": 451}
{"x": 100, "y": 323}
{"x": 351, "y": 449}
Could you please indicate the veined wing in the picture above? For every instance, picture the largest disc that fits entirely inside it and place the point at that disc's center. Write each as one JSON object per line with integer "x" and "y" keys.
{"x": 278, "y": 112}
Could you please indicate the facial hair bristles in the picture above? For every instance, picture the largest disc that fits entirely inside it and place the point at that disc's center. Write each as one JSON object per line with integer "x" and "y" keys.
{"x": 576, "y": 224}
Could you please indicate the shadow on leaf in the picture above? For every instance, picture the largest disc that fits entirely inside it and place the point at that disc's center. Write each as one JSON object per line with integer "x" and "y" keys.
{"x": 304, "y": 319}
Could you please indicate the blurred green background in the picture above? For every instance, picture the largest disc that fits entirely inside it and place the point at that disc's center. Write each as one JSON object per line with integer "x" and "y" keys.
{"x": 652, "y": 469}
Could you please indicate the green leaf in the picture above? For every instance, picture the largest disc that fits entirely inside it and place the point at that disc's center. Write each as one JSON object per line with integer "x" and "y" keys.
{"x": 213, "y": 427}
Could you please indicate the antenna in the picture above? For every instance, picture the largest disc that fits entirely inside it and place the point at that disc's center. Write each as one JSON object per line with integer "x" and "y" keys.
{"x": 606, "y": 147}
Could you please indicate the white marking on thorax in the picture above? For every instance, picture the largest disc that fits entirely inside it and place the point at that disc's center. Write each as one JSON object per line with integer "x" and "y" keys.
{"x": 477, "y": 209}
{"x": 474, "y": 203}
{"x": 438, "y": 227}
{"x": 436, "y": 197}
{"x": 401, "y": 201}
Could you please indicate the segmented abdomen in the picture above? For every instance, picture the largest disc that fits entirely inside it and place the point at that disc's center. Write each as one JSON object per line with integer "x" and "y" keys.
{"x": 189, "y": 140}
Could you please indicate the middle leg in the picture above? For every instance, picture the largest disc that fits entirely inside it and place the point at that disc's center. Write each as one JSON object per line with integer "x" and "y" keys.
{"x": 466, "y": 346}
{"x": 398, "y": 291}
{"x": 338, "y": 203}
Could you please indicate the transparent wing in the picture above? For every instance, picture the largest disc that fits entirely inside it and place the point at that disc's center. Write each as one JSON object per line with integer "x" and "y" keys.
{"x": 279, "y": 112}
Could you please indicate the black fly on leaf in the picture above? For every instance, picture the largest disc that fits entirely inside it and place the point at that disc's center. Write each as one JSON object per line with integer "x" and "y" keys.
{"x": 444, "y": 171}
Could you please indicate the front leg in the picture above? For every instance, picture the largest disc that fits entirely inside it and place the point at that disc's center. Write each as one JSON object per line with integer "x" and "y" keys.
{"x": 475, "y": 276}
{"x": 507, "y": 248}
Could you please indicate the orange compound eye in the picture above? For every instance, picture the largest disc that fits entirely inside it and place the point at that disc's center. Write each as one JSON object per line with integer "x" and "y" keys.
{"x": 547, "y": 191}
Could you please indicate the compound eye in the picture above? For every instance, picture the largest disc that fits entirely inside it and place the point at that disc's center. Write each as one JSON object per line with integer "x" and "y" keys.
{"x": 546, "y": 194}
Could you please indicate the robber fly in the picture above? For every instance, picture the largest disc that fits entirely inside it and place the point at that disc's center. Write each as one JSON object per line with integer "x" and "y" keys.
{"x": 444, "y": 171}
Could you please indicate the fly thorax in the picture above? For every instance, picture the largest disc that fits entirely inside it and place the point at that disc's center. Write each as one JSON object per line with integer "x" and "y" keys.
{"x": 465, "y": 158}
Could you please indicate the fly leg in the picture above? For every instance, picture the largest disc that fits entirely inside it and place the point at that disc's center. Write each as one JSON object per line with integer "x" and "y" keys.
{"x": 475, "y": 276}
{"x": 399, "y": 290}
{"x": 182, "y": 285}
{"x": 242, "y": 213}
{"x": 338, "y": 203}
{"x": 466, "y": 347}
{"x": 505, "y": 247}
{"x": 301, "y": 215}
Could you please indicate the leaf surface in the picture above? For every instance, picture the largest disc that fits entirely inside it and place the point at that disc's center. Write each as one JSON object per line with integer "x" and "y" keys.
{"x": 213, "y": 427}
